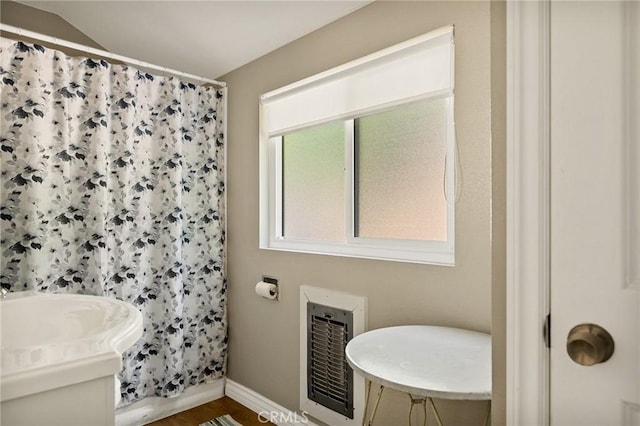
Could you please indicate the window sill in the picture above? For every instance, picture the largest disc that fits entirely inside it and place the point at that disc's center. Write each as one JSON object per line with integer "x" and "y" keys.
{"x": 441, "y": 256}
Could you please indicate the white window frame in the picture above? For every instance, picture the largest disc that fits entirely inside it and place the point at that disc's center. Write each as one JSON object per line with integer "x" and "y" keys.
{"x": 405, "y": 250}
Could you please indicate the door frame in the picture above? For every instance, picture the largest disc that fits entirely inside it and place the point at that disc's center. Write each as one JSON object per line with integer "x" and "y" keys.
{"x": 528, "y": 210}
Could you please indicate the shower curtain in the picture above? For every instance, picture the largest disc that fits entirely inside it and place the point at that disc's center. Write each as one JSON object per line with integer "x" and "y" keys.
{"x": 112, "y": 184}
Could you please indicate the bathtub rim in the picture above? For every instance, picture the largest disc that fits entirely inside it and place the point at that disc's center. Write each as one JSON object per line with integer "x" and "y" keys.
{"x": 104, "y": 360}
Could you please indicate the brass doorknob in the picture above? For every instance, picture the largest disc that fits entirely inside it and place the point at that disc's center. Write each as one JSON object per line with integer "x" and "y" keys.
{"x": 589, "y": 344}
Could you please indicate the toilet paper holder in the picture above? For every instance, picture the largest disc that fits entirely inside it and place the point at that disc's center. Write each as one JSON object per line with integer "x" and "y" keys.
{"x": 268, "y": 288}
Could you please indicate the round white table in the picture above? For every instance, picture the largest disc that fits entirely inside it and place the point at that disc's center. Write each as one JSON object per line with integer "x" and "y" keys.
{"x": 425, "y": 362}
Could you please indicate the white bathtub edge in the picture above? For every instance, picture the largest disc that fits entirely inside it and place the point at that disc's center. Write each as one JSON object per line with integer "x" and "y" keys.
{"x": 32, "y": 381}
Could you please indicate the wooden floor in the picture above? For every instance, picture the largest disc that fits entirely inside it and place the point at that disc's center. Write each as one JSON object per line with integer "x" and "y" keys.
{"x": 211, "y": 410}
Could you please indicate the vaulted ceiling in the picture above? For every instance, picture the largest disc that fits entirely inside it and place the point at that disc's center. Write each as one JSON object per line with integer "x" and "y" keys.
{"x": 206, "y": 38}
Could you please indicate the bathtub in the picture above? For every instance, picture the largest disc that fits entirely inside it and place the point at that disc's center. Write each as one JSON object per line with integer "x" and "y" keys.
{"x": 60, "y": 354}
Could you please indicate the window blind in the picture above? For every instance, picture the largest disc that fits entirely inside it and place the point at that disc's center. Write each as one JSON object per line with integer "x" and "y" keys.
{"x": 418, "y": 68}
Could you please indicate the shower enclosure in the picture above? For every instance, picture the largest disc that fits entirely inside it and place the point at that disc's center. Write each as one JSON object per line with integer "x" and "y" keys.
{"x": 112, "y": 184}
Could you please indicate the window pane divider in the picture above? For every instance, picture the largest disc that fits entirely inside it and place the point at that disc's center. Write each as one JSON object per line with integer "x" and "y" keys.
{"x": 350, "y": 207}
{"x": 277, "y": 189}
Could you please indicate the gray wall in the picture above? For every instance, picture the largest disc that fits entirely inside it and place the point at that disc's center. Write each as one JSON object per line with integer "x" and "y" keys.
{"x": 264, "y": 336}
{"x": 499, "y": 207}
{"x": 32, "y": 19}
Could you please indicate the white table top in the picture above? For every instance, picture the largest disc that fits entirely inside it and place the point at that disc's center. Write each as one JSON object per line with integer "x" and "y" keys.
{"x": 425, "y": 361}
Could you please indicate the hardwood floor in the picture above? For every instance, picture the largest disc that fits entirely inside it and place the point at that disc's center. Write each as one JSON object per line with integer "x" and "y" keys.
{"x": 211, "y": 410}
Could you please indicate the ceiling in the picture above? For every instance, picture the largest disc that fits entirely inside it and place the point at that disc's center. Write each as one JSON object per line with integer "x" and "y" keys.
{"x": 205, "y": 38}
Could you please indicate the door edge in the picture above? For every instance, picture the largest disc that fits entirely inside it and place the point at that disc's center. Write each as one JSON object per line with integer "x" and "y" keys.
{"x": 528, "y": 202}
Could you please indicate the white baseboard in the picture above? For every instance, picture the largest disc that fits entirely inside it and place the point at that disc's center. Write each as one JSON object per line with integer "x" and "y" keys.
{"x": 155, "y": 408}
{"x": 269, "y": 410}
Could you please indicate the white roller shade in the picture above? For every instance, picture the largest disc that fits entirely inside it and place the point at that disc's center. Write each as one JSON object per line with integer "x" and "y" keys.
{"x": 417, "y": 68}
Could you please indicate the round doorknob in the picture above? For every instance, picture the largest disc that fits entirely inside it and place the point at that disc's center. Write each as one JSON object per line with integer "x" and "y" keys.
{"x": 589, "y": 344}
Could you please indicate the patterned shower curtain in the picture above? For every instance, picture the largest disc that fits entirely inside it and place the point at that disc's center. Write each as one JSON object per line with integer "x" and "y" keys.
{"x": 112, "y": 184}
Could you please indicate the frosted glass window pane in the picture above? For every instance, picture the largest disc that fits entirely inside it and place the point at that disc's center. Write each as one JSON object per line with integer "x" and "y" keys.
{"x": 400, "y": 158}
{"x": 313, "y": 183}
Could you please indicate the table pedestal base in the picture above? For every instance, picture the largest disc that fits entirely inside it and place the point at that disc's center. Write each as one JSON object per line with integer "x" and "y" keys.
{"x": 414, "y": 401}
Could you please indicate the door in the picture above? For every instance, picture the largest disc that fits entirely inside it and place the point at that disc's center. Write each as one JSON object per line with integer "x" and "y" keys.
{"x": 595, "y": 213}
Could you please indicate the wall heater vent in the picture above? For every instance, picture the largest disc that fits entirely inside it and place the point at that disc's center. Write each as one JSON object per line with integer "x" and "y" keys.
{"x": 329, "y": 377}
{"x": 329, "y": 389}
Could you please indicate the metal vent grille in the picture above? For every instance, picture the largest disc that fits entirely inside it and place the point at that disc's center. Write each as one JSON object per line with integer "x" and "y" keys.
{"x": 329, "y": 377}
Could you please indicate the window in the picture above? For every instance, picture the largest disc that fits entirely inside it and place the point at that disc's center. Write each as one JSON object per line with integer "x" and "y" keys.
{"x": 358, "y": 161}
{"x": 312, "y": 164}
